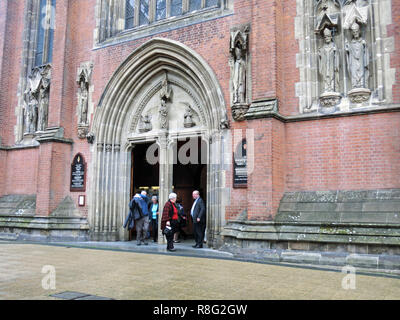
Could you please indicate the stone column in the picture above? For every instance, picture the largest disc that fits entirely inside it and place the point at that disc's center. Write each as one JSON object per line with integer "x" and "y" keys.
{"x": 166, "y": 176}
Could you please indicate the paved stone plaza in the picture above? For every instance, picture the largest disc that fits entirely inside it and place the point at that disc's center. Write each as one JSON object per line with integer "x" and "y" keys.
{"x": 119, "y": 274}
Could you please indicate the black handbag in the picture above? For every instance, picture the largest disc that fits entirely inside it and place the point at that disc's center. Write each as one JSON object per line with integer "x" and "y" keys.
{"x": 167, "y": 232}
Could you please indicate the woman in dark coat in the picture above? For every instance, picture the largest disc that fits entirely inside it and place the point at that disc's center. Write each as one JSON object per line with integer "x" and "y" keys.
{"x": 169, "y": 221}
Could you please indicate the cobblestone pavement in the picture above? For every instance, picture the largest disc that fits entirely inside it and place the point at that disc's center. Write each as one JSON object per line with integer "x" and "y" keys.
{"x": 129, "y": 275}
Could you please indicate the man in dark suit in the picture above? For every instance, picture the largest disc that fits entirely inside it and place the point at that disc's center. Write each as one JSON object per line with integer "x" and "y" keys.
{"x": 198, "y": 214}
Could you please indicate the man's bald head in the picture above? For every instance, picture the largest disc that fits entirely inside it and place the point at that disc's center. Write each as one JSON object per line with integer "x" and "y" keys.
{"x": 196, "y": 194}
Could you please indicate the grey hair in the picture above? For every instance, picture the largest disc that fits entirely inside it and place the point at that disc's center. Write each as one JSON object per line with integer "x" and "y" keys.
{"x": 154, "y": 197}
{"x": 172, "y": 196}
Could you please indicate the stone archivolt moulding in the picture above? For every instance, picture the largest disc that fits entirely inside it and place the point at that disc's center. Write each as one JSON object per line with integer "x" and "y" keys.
{"x": 373, "y": 17}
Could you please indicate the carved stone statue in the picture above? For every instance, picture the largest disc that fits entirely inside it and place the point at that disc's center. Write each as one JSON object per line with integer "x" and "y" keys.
{"x": 83, "y": 80}
{"x": 163, "y": 115}
{"x": 43, "y": 109}
{"x": 357, "y": 57}
{"x": 166, "y": 91}
{"x": 83, "y": 103}
{"x": 165, "y": 95}
{"x": 37, "y": 104}
{"x": 188, "y": 118}
{"x": 239, "y": 67}
{"x": 239, "y": 77}
{"x": 145, "y": 123}
{"x": 328, "y": 63}
{"x": 31, "y": 111}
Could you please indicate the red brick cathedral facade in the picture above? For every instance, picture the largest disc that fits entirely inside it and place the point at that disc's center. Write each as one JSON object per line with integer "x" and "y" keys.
{"x": 294, "y": 106}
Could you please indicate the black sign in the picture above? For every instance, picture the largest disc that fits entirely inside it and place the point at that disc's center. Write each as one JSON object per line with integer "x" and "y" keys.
{"x": 240, "y": 165}
{"x": 78, "y": 177}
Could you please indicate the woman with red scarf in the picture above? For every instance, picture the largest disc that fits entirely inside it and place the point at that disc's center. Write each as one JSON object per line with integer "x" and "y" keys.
{"x": 169, "y": 221}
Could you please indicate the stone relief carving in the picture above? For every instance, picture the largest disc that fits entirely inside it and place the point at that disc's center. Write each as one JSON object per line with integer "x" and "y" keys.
{"x": 145, "y": 123}
{"x": 37, "y": 100}
{"x": 165, "y": 96}
{"x": 83, "y": 80}
{"x": 239, "y": 69}
{"x": 188, "y": 117}
{"x": 182, "y": 90}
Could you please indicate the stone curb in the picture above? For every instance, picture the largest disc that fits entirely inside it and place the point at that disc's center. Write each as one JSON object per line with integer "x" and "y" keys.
{"x": 385, "y": 263}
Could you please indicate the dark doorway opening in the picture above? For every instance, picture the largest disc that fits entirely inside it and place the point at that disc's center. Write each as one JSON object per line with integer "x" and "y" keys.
{"x": 189, "y": 174}
{"x": 145, "y": 173}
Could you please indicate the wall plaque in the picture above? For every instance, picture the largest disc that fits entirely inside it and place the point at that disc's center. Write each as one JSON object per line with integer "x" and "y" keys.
{"x": 78, "y": 174}
{"x": 240, "y": 165}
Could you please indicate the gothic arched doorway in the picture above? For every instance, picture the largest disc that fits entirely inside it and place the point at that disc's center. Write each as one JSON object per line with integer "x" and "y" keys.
{"x": 164, "y": 92}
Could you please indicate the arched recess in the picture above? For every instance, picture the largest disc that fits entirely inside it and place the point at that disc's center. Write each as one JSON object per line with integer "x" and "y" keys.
{"x": 136, "y": 83}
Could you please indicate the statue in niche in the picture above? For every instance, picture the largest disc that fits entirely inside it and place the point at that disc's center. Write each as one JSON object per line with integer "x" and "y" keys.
{"x": 357, "y": 58}
{"x": 83, "y": 103}
{"x": 165, "y": 96}
{"x": 83, "y": 80}
{"x": 328, "y": 66}
{"x": 31, "y": 114}
{"x": 145, "y": 123}
{"x": 37, "y": 94}
{"x": 188, "y": 118}
{"x": 239, "y": 67}
{"x": 43, "y": 109}
{"x": 239, "y": 76}
{"x": 163, "y": 115}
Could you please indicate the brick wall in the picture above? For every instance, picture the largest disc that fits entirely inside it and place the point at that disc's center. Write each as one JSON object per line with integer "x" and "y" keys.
{"x": 360, "y": 152}
{"x": 21, "y": 172}
{"x": 11, "y": 68}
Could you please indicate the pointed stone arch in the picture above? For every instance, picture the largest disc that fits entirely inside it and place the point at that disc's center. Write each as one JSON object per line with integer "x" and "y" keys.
{"x": 132, "y": 85}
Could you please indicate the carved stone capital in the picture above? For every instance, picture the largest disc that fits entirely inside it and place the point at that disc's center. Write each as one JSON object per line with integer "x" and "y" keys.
{"x": 109, "y": 147}
{"x": 100, "y": 146}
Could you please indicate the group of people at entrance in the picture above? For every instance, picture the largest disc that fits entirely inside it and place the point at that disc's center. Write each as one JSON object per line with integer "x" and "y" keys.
{"x": 143, "y": 212}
